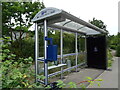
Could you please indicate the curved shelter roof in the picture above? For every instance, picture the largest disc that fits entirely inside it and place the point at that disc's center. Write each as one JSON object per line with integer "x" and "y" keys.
{"x": 60, "y": 19}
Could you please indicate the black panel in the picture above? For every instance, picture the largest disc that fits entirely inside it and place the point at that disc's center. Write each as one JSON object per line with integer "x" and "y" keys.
{"x": 96, "y": 52}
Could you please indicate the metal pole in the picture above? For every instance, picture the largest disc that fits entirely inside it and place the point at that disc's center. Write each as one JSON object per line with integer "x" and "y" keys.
{"x": 36, "y": 51}
{"x": 45, "y": 53}
{"x": 61, "y": 51}
{"x": 76, "y": 50}
{"x": 86, "y": 49}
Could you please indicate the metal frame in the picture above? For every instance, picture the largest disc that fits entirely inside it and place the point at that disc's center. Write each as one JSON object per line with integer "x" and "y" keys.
{"x": 86, "y": 49}
{"x": 67, "y": 69}
{"x": 67, "y": 29}
{"x": 45, "y": 53}
{"x": 48, "y": 17}
{"x": 61, "y": 51}
{"x": 76, "y": 50}
{"x": 36, "y": 51}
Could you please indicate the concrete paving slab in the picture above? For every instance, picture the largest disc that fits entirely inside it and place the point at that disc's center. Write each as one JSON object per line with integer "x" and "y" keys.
{"x": 82, "y": 74}
{"x": 110, "y": 78}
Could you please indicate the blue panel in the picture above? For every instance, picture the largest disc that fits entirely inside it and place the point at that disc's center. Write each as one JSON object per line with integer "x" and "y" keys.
{"x": 52, "y": 52}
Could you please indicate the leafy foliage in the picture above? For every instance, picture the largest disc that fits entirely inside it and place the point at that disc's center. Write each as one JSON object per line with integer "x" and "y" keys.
{"x": 72, "y": 85}
{"x": 16, "y": 20}
{"x": 118, "y": 45}
{"x": 114, "y": 43}
{"x": 16, "y": 73}
{"x": 26, "y": 50}
{"x": 118, "y": 51}
{"x": 60, "y": 84}
{"x": 91, "y": 82}
{"x": 110, "y": 58}
{"x": 16, "y": 16}
{"x": 82, "y": 85}
{"x": 98, "y": 23}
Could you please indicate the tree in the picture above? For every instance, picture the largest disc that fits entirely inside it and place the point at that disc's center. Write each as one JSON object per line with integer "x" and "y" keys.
{"x": 16, "y": 20}
{"x": 98, "y": 23}
{"x": 114, "y": 41}
{"x": 16, "y": 16}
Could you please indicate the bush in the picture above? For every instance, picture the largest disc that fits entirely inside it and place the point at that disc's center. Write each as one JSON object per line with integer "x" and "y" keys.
{"x": 16, "y": 73}
{"x": 113, "y": 47}
{"x": 25, "y": 50}
{"x": 118, "y": 51}
{"x": 110, "y": 58}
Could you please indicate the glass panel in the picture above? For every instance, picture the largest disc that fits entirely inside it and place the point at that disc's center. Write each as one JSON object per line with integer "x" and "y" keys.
{"x": 62, "y": 23}
{"x": 81, "y": 49}
{"x": 41, "y": 51}
{"x": 70, "y": 24}
{"x": 69, "y": 49}
{"x": 89, "y": 30}
{"x": 73, "y": 25}
{"x": 68, "y": 42}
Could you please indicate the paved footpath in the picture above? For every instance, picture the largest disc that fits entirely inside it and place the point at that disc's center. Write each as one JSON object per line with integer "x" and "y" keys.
{"x": 110, "y": 78}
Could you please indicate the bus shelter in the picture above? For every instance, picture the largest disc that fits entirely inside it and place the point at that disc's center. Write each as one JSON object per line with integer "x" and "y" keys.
{"x": 95, "y": 41}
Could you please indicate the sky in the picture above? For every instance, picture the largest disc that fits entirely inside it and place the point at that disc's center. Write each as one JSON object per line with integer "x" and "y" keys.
{"x": 105, "y": 10}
